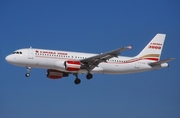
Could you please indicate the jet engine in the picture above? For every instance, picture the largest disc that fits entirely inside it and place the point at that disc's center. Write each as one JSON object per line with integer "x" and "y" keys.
{"x": 72, "y": 65}
{"x": 55, "y": 74}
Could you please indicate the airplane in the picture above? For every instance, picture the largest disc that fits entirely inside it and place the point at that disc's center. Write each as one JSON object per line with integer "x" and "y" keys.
{"x": 61, "y": 64}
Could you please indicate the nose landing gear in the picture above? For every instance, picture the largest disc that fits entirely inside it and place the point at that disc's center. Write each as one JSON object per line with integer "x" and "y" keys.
{"x": 28, "y": 71}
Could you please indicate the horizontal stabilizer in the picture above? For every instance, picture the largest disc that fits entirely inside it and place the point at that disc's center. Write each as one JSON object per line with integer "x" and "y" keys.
{"x": 161, "y": 62}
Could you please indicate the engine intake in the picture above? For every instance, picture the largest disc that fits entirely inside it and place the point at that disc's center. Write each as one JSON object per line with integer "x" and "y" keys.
{"x": 72, "y": 65}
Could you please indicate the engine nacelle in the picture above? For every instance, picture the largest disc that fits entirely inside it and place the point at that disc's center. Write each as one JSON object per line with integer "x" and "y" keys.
{"x": 72, "y": 65}
{"x": 55, "y": 74}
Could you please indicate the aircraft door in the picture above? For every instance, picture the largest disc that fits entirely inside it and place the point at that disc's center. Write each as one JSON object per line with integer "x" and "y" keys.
{"x": 137, "y": 65}
{"x": 30, "y": 53}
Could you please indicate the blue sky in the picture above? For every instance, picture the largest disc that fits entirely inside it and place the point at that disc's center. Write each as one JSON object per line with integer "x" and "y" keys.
{"x": 89, "y": 26}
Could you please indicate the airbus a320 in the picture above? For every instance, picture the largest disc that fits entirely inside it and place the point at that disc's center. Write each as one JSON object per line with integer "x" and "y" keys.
{"x": 61, "y": 64}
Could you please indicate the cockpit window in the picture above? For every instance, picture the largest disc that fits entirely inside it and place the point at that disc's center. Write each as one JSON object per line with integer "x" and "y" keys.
{"x": 17, "y": 52}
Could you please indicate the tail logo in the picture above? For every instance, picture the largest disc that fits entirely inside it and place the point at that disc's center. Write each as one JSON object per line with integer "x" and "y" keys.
{"x": 155, "y": 46}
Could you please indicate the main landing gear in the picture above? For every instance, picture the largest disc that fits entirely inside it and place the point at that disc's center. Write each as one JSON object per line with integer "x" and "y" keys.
{"x": 28, "y": 71}
{"x": 89, "y": 76}
{"x": 78, "y": 81}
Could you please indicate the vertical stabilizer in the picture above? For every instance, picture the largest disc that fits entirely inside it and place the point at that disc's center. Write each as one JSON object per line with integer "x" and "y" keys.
{"x": 153, "y": 50}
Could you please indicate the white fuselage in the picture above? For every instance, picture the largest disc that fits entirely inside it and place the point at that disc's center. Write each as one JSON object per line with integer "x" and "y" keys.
{"x": 53, "y": 59}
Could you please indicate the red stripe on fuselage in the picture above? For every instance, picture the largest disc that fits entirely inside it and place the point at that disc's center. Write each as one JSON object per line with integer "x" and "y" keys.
{"x": 154, "y": 59}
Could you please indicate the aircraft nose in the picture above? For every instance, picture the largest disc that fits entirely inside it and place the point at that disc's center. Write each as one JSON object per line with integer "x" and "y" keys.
{"x": 8, "y": 58}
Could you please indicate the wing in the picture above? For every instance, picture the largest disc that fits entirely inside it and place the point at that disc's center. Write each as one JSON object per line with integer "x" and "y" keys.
{"x": 94, "y": 61}
{"x": 161, "y": 62}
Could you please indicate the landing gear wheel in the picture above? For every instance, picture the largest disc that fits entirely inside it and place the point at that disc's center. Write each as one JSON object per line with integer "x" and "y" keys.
{"x": 77, "y": 81}
{"x": 28, "y": 71}
{"x": 27, "y": 74}
{"x": 89, "y": 76}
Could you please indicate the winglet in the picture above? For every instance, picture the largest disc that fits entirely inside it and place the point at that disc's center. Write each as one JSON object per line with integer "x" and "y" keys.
{"x": 129, "y": 47}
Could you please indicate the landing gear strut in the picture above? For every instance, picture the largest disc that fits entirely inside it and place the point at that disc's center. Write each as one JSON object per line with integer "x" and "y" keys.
{"x": 77, "y": 80}
{"x": 28, "y": 71}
